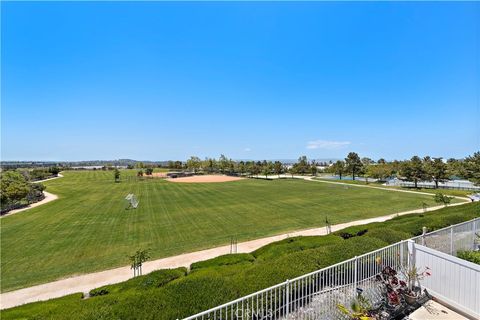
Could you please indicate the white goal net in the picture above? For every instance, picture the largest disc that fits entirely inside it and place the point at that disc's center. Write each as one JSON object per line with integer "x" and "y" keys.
{"x": 132, "y": 201}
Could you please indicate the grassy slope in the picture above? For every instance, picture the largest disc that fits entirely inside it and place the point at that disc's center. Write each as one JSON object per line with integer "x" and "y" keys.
{"x": 88, "y": 228}
{"x": 170, "y": 294}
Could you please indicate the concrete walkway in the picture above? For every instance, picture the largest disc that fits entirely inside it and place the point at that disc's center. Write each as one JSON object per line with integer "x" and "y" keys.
{"x": 87, "y": 282}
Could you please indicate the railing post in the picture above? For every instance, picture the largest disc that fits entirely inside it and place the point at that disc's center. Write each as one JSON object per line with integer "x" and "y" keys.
{"x": 402, "y": 243}
{"x": 424, "y": 232}
{"x": 451, "y": 241}
{"x": 411, "y": 254}
{"x": 287, "y": 298}
{"x": 355, "y": 278}
{"x": 474, "y": 229}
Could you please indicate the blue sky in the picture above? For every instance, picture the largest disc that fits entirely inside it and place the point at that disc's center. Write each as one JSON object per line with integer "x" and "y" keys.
{"x": 157, "y": 81}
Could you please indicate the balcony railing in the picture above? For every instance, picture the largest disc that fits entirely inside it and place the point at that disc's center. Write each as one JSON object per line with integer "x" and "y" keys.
{"x": 316, "y": 295}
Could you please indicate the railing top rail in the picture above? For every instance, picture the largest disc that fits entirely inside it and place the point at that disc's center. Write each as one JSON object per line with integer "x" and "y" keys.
{"x": 446, "y": 228}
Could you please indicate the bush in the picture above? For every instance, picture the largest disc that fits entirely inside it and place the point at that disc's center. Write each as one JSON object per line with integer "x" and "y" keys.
{"x": 472, "y": 256}
{"x": 225, "y": 260}
{"x": 353, "y": 231}
{"x": 388, "y": 235}
{"x": 154, "y": 279}
{"x": 290, "y": 245}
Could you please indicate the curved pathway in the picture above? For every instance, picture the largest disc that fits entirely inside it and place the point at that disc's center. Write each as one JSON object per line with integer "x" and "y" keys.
{"x": 87, "y": 282}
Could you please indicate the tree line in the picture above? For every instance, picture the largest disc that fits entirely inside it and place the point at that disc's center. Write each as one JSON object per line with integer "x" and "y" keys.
{"x": 415, "y": 169}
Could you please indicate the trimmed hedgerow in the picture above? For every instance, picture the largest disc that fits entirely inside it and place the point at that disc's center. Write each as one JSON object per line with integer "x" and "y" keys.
{"x": 170, "y": 294}
{"x": 154, "y": 279}
{"x": 388, "y": 235}
{"x": 225, "y": 260}
{"x": 472, "y": 256}
{"x": 291, "y": 245}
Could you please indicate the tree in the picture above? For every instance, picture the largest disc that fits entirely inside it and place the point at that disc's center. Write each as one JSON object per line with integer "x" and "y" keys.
{"x": 313, "y": 168}
{"x": 140, "y": 173}
{"x": 16, "y": 191}
{"x": 338, "y": 168}
{"x": 137, "y": 260}
{"x": 413, "y": 170}
{"x": 223, "y": 163}
{"x": 266, "y": 169}
{"x": 380, "y": 171}
{"x": 302, "y": 165}
{"x": 194, "y": 164}
{"x": 116, "y": 175}
{"x": 149, "y": 171}
{"x": 437, "y": 169}
{"x": 441, "y": 198}
{"x": 472, "y": 168}
{"x": 366, "y": 164}
{"x": 54, "y": 170}
{"x": 353, "y": 163}
{"x": 209, "y": 165}
{"x": 277, "y": 168}
{"x": 14, "y": 187}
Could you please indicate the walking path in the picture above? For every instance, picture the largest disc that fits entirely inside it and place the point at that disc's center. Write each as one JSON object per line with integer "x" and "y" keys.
{"x": 87, "y": 282}
{"x": 48, "y": 197}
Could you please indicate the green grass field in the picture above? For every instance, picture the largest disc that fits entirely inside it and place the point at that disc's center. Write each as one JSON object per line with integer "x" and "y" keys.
{"x": 88, "y": 228}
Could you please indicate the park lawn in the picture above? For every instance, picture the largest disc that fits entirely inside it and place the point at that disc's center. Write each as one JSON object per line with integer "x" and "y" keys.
{"x": 88, "y": 229}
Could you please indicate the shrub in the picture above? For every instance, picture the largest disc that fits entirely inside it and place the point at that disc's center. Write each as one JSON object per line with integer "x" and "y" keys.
{"x": 154, "y": 279}
{"x": 225, "y": 260}
{"x": 388, "y": 235}
{"x": 295, "y": 244}
{"x": 472, "y": 256}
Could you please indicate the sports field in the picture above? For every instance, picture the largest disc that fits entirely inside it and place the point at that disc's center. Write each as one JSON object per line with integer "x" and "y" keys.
{"x": 88, "y": 229}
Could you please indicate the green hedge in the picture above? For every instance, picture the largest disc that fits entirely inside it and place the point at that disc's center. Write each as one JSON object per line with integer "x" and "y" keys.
{"x": 472, "y": 256}
{"x": 171, "y": 294}
{"x": 226, "y": 260}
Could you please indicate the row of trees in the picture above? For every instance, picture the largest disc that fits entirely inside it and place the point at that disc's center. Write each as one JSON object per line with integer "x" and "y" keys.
{"x": 17, "y": 191}
{"x": 415, "y": 169}
{"x": 250, "y": 168}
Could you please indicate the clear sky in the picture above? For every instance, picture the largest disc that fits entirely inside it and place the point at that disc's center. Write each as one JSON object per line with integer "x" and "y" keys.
{"x": 158, "y": 81}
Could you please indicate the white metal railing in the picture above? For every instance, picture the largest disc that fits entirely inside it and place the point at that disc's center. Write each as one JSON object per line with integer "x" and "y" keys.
{"x": 316, "y": 295}
{"x": 461, "y": 236}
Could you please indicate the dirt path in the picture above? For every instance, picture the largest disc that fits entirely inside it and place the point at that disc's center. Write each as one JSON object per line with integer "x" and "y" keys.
{"x": 85, "y": 283}
{"x": 48, "y": 197}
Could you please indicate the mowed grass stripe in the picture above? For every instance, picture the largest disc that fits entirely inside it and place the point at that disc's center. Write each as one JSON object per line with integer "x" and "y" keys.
{"x": 88, "y": 228}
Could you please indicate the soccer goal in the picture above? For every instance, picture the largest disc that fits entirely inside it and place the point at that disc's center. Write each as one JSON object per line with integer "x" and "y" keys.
{"x": 132, "y": 201}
